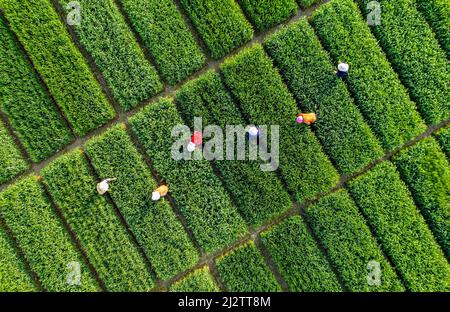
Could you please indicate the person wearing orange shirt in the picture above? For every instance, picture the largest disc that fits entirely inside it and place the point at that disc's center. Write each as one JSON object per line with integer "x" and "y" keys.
{"x": 161, "y": 191}
{"x": 308, "y": 119}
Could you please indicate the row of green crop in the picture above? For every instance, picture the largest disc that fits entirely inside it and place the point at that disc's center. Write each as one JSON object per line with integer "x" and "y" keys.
{"x": 345, "y": 209}
{"x": 265, "y": 14}
{"x": 416, "y": 56}
{"x": 13, "y": 275}
{"x": 387, "y": 108}
{"x": 95, "y": 223}
{"x": 426, "y": 171}
{"x": 244, "y": 270}
{"x": 307, "y": 70}
{"x": 251, "y": 188}
{"x": 40, "y": 235}
{"x": 199, "y": 280}
{"x": 61, "y": 65}
{"x": 12, "y": 162}
{"x": 30, "y": 111}
{"x": 196, "y": 189}
{"x": 437, "y": 13}
{"x": 241, "y": 270}
{"x": 301, "y": 262}
{"x": 443, "y": 137}
{"x": 155, "y": 225}
{"x": 418, "y": 59}
{"x": 166, "y": 36}
{"x": 401, "y": 229}
{"x": 107, "y": 38}
{"x": 298, "y": 257}
{"x": 307, "y": 3}
{"x": 325, "y": 208}
{"x": 327, "y": 212}
{"x": 351, "y": 247}
{"x": 221, "y": 24}
{"x": 265, "y": 100}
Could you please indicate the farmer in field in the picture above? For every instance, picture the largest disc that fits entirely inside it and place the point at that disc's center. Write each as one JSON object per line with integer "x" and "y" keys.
{"x": 196, "y": 139}
{"x": 253, "y": 133}
{"x": 103, "y": 186}
{"x": 308, "y": 119}
{"x": 343, "y": 70}
{"x": 160, "y": 192}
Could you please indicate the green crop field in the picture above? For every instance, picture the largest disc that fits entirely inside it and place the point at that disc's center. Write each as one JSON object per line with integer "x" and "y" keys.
{"x": 30, "y": 111}
{"x": 221, "y": 24}
{"x": 110, "y": 42}
{"x": 114, "y": 90}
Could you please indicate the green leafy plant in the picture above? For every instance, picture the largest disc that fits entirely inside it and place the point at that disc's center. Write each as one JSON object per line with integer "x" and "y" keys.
{"x": 437, "y": 13}
{"x": 401, "y": 229}
{"x": 13, "y": 275}
{"x": 426, "y": 171}
{"x": 197, "y": 281}
{"x": 298, "y": 257}
{"x": 310, "y": 75}
{"x": 416, "y": 56}
{"x": 393, "y": 122}
{"x": 344, "y": 233}
{"x": 12, "y": 162}
{"x": 443, "y": 137}
{"x": 377, "y": 90}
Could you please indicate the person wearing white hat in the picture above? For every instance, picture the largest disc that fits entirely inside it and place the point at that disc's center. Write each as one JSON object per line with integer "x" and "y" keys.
{"x": 160, "y": 192}
{"x": 343, "y": 70}
{"x": 103, "y": 186}
{"x": 191, "y": 147}
{"x": 253, "y": 133}
{"x": 196, "y": 140}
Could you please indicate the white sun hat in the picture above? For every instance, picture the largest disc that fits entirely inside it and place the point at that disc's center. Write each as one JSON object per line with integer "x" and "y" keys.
{"x": 156, "y": 196}
{"x": 103, "y": 187}
{"x": 191, "y": 147}
{"x": 253, "y": 131}
{"x": 343, "y": 67}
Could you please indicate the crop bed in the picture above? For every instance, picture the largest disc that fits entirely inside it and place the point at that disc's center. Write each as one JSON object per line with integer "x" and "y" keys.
{"x": 357, "y": 201}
